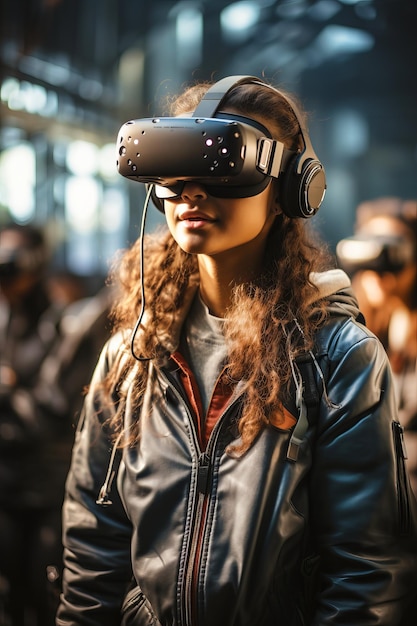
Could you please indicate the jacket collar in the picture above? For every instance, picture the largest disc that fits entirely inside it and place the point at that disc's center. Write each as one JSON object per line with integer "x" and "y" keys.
{"x": 333, "y": 284}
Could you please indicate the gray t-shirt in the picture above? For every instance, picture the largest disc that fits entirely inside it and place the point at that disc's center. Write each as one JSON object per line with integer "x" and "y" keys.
{"x": 203, "y": 346}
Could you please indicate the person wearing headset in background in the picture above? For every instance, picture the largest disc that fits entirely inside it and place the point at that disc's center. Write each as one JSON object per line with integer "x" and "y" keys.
{"x": 46, "y": 358}
{"x": 30, "y": 487}
{"x": 381, "y": 258}
{"x": 238, "y": 461}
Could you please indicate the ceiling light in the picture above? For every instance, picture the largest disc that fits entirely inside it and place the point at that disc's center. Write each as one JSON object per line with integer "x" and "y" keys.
{"x": 239, "y": 16}
{"x": 335, "y": 39}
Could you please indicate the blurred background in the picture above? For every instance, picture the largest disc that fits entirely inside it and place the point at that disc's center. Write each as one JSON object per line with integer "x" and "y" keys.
{"x": 72, "y": 71}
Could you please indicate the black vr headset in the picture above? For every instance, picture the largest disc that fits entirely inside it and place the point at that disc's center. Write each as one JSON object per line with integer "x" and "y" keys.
{"x": 380, "y": 253}
{"x": 231, "y": 155}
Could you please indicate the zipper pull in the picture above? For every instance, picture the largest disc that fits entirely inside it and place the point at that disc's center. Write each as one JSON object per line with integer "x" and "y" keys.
{"x": 203, "y": 473}
{"x": 399, "y": 432}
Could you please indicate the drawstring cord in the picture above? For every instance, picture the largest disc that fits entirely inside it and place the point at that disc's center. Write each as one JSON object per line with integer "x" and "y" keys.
{"x": 103, "y": 496}
{"x": 302, "y": 422}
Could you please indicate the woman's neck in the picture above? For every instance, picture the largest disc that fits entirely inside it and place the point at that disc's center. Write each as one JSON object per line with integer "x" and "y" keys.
{"x": 220, "y": 273}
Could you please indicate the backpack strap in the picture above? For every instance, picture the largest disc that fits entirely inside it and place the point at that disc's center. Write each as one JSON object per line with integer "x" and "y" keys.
{"x": 307, "y": 400}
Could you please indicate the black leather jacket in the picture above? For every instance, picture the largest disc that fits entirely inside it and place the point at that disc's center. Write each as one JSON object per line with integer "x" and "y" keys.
{"x": 328, "y": 539}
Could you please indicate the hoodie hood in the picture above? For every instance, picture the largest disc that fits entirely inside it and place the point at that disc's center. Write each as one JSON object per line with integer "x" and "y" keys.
{"x": 335, "y": 287}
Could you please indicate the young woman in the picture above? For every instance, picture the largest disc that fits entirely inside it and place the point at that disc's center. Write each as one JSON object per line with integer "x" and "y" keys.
{"x": 246, "y": 433}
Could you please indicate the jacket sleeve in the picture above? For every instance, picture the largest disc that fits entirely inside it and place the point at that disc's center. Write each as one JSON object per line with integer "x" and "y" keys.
{"x": 363, "y": 513}
{"x": 96, "y": 538}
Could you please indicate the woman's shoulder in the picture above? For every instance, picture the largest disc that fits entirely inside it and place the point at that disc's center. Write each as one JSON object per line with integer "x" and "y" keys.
{"x": 117, "y": 345}
{"x": 116, "y": 349}
{"x": 342, "y": 331}
{"x": 345, "y": 324}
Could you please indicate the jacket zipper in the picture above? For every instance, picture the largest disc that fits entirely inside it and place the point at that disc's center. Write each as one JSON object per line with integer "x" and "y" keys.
{"x": 189, "y": 590}
{"x": 205, "y": 466}
{"x": 193, "y": 561}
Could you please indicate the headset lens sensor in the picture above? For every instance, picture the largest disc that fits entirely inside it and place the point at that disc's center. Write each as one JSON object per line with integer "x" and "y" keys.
{"x": 173, "y": 191}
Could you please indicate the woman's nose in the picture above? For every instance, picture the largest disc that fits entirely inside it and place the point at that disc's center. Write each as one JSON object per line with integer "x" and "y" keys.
{"x": 192, "y": 191}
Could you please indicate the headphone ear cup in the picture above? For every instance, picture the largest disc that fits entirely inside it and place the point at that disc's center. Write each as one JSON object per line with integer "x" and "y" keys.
{"x": 301, "y": 193}
{"x": 159, "y": 204}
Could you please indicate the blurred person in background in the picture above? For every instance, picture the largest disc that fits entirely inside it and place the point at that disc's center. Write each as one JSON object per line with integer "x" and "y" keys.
{"x": 49, "y": 345}
{"x": 66, "y": 287}
{"x": 381, "y": 257}
{"x": 29, "y": 497}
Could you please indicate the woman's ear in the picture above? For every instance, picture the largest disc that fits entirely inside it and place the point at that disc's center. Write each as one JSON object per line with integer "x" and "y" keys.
{"x": 275, "y": 203}
{"x": 276, "y": 207}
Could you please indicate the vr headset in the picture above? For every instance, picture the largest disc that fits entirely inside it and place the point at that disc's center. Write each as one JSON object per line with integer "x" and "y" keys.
{"x": 380, "y": 253}
{"x": 231, "y": 155}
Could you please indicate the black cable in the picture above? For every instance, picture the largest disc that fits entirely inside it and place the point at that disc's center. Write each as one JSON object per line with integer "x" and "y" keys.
{"x": 142, "y": 280}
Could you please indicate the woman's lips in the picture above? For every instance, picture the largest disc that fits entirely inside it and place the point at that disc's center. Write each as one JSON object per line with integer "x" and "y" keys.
{"x": 194, "y": 219}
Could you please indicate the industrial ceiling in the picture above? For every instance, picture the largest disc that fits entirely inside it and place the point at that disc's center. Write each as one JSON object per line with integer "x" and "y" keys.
{"x": 352, "y": 62}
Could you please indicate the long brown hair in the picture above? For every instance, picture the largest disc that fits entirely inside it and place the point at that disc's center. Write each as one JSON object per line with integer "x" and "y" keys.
{"x": 260, "y": 313}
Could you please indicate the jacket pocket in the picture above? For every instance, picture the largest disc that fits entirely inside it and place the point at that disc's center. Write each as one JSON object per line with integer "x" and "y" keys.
{"x": 403, "y": 487}
{"x": 136, "y": 610}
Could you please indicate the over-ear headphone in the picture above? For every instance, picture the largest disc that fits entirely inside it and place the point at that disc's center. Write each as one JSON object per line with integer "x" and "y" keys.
{"x": 232, "y": 155}
{"x": 302, "y": 185}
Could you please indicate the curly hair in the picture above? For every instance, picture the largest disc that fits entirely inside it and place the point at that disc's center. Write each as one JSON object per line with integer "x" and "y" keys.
{"x": 260, "y": 312}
